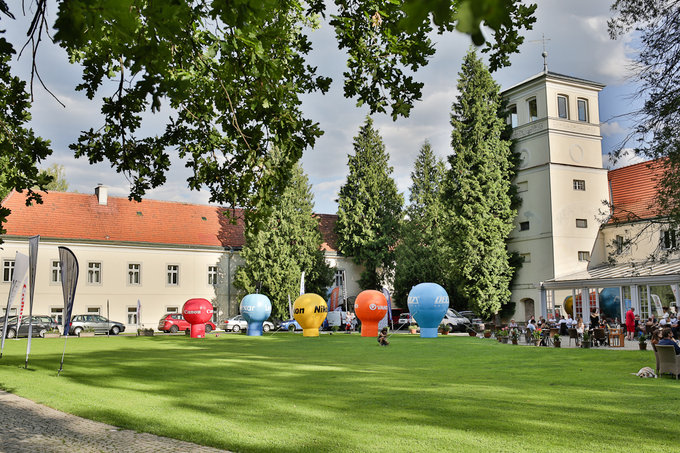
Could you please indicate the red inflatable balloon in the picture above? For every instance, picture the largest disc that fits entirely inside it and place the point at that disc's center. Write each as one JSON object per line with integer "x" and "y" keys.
{"x": 197, "y": 312}
{"x": 370, "y": 307}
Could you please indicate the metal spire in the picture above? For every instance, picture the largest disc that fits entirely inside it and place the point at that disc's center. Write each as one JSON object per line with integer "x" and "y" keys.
{"x": 544, "y": 54}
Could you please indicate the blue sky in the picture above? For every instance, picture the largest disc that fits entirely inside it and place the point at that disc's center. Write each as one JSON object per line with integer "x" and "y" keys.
{"x": 578, "y": 46}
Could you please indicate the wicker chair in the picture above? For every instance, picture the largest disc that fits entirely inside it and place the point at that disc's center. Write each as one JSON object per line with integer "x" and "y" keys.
{"x": 599, "y": 337}
{"x": 669, "y": 362}
{"x": 573, "y": 335}
{"x": 656, "y": 356}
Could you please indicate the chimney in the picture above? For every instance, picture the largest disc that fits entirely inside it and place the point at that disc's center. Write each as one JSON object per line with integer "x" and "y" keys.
{"x": 102, "y": 194}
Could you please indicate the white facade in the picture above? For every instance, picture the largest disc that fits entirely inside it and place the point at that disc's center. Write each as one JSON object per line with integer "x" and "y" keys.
{"x": 561, "y": 181}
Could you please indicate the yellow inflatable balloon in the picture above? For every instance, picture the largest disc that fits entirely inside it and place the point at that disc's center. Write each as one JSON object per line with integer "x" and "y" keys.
{"x": 309, "y": 311}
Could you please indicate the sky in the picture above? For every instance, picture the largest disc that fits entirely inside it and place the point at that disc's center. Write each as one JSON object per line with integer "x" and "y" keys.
{"x": 577, "y": 44}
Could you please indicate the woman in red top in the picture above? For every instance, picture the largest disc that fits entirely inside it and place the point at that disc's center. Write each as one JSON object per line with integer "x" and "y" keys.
{"x": 630, "y": 323}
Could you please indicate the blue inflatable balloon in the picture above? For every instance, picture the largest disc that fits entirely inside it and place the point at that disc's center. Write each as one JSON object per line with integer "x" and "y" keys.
{"x": 255, "y": 309}
{"x": 610, "y": 303}
{"x": 428, "y": 303}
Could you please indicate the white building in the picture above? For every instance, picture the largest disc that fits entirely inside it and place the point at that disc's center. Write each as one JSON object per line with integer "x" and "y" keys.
{"x": 566, "y": 195}
{"x": 160, "y": 253}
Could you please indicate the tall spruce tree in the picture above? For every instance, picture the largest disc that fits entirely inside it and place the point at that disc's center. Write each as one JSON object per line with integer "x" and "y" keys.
{"x": 284, "y": 243}
{"x": 369, "y": 209}
{"x": 478, "y": 187}
{"x": 421, "y": 254}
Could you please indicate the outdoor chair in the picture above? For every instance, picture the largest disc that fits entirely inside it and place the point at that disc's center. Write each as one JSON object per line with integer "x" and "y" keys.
{"x": 599, "y": 337}
{"x": 564, "y": 331}
{"x": 573, "y": 335}
{"x": 669, "y": 362}
{"x": 656, "y": 356}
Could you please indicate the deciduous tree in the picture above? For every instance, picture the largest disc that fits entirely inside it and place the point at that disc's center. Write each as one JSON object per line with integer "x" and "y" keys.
{"x": 656, "y": 134}
{"x": 369, "y": 209}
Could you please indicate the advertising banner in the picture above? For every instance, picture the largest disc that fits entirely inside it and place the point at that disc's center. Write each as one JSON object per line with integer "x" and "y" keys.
{"x": 33, "y": 243}
{"x": 18, "y": 277}
{"x": 69, "y": 280}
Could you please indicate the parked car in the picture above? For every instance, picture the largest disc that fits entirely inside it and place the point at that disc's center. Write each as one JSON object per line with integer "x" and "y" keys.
{"x": 174, "y": 322}
{"x": 41, "y": 324}
{"x": 290, "y": 324}
{"x": 99, "y": 323}
{"x": 405, "y": 319}
{"x": 238, "y": 323}
{"x": 456, "y": 321}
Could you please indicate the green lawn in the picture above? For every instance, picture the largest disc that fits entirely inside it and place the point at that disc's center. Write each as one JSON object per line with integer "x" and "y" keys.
{"x": 287, "y": 393}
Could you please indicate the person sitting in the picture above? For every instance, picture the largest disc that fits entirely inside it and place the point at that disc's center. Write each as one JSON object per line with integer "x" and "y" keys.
{"x": 382, "y": 337}
{"x": 667, "y": 340}
{"x": 674, "y": 324}
{"x": 570, "y": 322}
{"x": 513, "y": 324}
{"x": 580, "y": 328}
{"x": 656, "y": 336}
{"x": 562, "y": 325}
{"x": 532, "y": 325}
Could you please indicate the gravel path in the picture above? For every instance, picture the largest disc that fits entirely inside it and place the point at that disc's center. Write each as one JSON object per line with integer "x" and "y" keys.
{"x": 30, "y": 427}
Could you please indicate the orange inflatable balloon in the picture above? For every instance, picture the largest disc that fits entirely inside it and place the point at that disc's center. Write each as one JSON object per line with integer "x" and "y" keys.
{"x": 310, "y": 310}
{"x": 370, "y": 307}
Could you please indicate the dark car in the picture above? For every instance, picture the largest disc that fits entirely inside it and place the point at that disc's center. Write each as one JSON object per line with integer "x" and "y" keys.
{"x": 98, "y": 323}
{"x": 41, "y": 324}
{"x": 174, "y": 322}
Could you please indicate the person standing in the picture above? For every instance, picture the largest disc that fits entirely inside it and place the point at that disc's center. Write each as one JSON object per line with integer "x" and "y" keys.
{"x": 630, "y": 323}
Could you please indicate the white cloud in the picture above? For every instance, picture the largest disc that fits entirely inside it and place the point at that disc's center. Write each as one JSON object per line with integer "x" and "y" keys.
{"x": 610, "y": 128}
{"x": 626, "y": 157}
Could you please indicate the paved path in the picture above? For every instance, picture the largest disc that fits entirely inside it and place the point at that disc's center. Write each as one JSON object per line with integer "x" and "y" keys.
{"x": 26, "y": 427}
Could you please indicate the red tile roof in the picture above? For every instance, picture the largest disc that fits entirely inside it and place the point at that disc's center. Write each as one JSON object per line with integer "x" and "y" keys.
{"x": 633, "y": 191}
{"x": 78, "y": 216}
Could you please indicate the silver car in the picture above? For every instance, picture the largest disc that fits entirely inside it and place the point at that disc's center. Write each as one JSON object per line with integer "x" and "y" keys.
{"x": 99, "y": 323}
{"x": 238, "y": 323}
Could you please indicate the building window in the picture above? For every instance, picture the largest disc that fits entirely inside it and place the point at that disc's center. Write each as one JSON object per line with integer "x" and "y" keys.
{"x": 562, "y": 107}
{"x": 134, "y": 274}
{"x": 618, "y": 243}
{"x": 132, "y": 315}
{"x": 522, "y": 186}
{"x": 582, "y": 110}
{"x": 338, "y": 277}
{"x": 7, "y": 270}
{"x": 579, "y": 184}
{"x": 523, "y": 226}
{"x": 57, "y": 313}
{"x": 581, "y": 223}
{"x": 56, "y": 272}
{"x": 584, "y": 256}
{"x": 173, "y": 274}
{"x": 668, "y": 240}
{"x": 212, "y": 275}
{"x": 526, "y": 257}
{"x": 93, "y": 310}
{"x": 533, "y": 109}
{"x": 512, "y": 118}
{"x": 94, "y": 273}
{"x": 172, "y": 310}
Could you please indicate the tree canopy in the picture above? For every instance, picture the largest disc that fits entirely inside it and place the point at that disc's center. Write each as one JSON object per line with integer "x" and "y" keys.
{"x": 233, "y": 74}
{"x": 656, "y": 133}
{"x": 478, "y": 191}
{"x": 369, "y": 209}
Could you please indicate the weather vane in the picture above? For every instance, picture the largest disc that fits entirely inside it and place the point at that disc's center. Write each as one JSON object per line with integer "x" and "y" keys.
{"x": 545, "y": 53}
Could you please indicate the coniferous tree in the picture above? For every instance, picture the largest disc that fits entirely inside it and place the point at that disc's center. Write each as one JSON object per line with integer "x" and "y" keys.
{"x": 369, "y": 209}
{"x": 478, "y": 190}
{"x": 422, "y": 251}
{"x": 286, "y": 242}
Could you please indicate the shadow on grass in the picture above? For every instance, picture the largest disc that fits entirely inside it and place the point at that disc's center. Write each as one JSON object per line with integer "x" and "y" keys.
{"x": 286, "y": 393}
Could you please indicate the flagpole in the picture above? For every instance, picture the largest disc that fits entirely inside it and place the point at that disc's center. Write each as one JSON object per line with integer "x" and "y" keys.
{"x": 61, "y": 365}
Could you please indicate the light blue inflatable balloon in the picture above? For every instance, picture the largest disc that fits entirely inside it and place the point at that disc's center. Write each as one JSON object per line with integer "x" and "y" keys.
{"x": 428, "y": 303}
{"x": 255, "y": 309}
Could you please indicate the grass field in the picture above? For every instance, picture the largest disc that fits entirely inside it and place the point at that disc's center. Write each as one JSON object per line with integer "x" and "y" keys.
{"x": 286, "y": 393}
